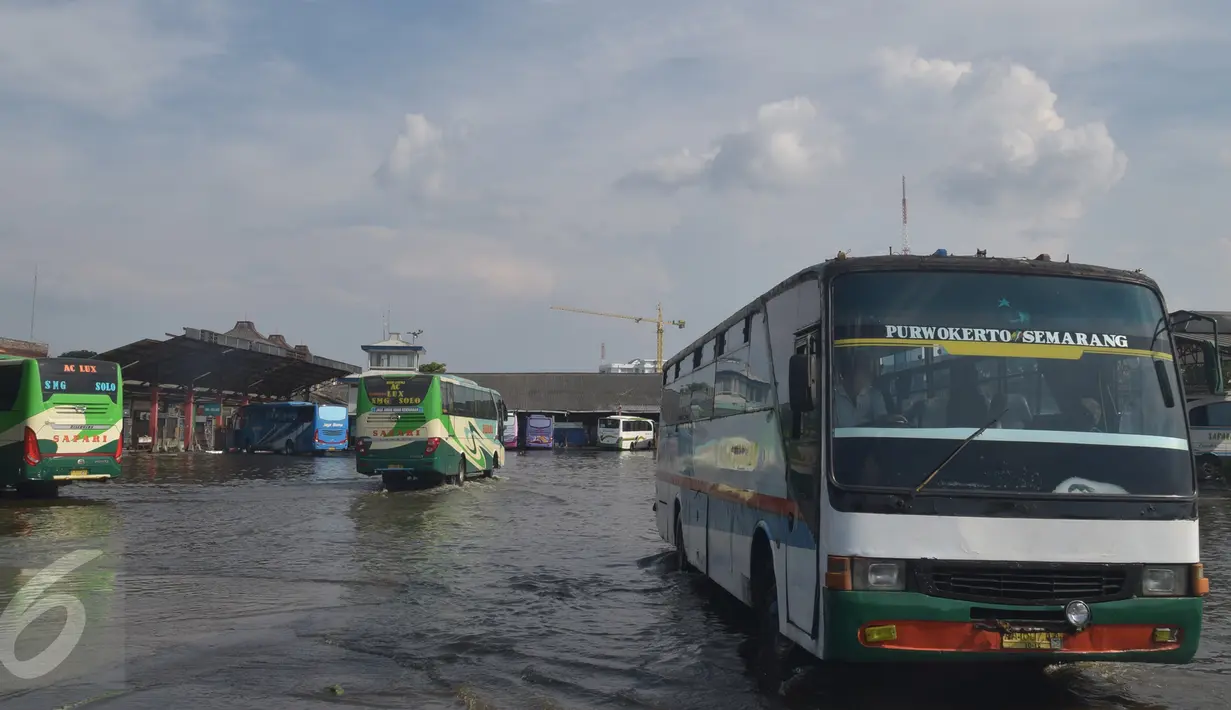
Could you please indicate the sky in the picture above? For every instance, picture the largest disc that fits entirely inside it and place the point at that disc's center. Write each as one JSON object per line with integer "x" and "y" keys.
{"x": 465, "y": 165}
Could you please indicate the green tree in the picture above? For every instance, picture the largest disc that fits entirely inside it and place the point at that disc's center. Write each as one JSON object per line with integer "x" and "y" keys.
{"x": 78, "y": 353}
{"x": 433, "y": 366}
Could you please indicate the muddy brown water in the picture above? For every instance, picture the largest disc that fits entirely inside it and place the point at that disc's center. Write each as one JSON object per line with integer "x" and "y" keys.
{"x": 261, "y": 581}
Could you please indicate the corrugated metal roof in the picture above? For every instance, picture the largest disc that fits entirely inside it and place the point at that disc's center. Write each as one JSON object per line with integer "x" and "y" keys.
{"x": 573, "y": 391}
{"x": 214, "y": 361}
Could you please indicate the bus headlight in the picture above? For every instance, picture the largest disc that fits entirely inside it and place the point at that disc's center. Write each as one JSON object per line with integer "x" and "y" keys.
{"x": 871, "y": 575}
{"x": 1164, "y": 581}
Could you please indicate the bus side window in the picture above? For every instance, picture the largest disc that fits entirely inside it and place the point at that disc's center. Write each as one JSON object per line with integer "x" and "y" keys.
{"x": 446, "y": 398}
{"x": 10, "y": 385}
{"x": 1219, "y": 415}
{"x": 463, "y": 402}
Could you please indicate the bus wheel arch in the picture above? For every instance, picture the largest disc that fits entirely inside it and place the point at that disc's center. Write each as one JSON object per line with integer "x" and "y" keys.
{"x": 681, "y": 550}
{"x": 774, "y": 652}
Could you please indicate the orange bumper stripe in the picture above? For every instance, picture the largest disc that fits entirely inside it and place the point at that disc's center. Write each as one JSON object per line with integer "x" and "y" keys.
{"x": 964, "y": 636}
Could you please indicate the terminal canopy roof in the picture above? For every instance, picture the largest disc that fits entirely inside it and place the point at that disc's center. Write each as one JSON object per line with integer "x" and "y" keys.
{"x": 204, "y": 359}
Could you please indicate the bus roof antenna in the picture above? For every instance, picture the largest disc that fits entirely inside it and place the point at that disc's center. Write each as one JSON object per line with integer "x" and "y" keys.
{"x": 905, "y": 233}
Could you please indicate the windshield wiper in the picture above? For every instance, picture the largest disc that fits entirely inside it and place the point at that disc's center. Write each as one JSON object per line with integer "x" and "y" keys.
{"x": 958, "y": 449}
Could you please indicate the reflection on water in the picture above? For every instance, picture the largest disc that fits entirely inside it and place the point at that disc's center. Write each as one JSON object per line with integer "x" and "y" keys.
{"x": 272, "y": 577}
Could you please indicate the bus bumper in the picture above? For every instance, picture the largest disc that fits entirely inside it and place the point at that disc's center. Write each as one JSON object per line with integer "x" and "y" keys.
{"x": 409, "y": 467}
{"x": 907, "y": 626}
{"x": 72, "y": 469}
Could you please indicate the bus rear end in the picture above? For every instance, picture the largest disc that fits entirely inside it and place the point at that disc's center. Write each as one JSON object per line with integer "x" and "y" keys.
{"x": 330, "y": 431}
{"x": 74, "y": 421}
{"x": 399, "y": 432}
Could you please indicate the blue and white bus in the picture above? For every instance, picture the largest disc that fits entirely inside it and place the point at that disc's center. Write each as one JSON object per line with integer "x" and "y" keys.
{"x": 332, "y": 428}
{"x": 291, "y": 428}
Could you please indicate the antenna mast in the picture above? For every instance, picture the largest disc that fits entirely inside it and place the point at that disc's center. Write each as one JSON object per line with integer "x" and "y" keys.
{"x": 33, "y": 301}
{"x": 905, "y": 234}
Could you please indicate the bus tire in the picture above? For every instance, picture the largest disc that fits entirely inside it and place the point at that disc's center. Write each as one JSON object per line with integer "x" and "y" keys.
{"x": 491, "y": 466}
{"x": 1210, "y": 467}
{"x": 37, "y": 489}
{"x": 461, "y": 472}
{"x": 395, "y": 481}
{"x": 774, "y": 652}
{"x": 681, "y": 550}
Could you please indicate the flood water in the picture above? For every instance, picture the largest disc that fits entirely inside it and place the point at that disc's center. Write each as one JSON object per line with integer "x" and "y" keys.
{"x": 260, "y": 581}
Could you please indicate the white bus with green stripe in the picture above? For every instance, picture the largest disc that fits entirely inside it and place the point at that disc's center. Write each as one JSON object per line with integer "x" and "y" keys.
{"x": 414, "y": 428}
{"x": 957, "y": 458}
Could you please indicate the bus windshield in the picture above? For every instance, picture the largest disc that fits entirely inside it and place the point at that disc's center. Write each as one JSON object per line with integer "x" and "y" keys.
{"x": 331, "y": 416}
{"x": 77, "y": 377}
{"x": 399, "y": 391}
{"x": 922, "y": 360}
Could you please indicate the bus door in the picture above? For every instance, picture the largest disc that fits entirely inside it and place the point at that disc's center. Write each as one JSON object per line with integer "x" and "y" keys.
{"x": 803, "y": 467}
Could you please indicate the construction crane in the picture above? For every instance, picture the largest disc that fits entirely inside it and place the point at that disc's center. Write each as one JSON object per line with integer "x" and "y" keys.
{"x": 657, "y": 321}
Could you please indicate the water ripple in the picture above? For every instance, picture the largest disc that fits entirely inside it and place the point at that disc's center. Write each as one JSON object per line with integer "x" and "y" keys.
{"x": 263, "y": 578}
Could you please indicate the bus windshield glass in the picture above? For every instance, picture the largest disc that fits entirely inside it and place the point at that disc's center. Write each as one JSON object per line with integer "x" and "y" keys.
{"x": 398, "y": 392}
{"x": 77, "y": 377}
{"x": 331, "y": 416}
{"x": 922, "y": 360}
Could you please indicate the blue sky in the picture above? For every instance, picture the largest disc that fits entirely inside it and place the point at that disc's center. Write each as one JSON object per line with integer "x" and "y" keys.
{"x": 308, "y": 164}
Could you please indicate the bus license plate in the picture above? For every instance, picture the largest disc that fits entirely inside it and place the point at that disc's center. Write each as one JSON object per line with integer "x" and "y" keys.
{"x": 1032, "y": 640}
{"x": 78, "y": 473}
{"x": 394, "y": 466}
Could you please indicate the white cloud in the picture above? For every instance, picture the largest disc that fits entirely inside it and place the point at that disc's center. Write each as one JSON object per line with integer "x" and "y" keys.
{"x": 902, "y": 65}
{"x": 1005, "y": 145}
{"x": 786, "y": 147}
{"x": 417, "y": 159}
{"x": 281, "y": 168}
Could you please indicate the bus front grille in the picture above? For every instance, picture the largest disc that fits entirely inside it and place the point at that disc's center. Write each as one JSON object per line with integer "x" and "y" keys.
{"x": 1012, "y": 583}
{"x": 81, "y": 409}
{"x": 403, "y": 421}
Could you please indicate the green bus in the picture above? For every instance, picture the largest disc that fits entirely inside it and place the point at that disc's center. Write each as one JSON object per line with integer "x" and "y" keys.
{"x": 61, "y": 422}
{"x": 416, "y": 428}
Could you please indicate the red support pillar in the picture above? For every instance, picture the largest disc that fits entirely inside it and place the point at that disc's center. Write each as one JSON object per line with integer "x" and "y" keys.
{"x": 153, "y": 416}
{"x": 190, "y": 418}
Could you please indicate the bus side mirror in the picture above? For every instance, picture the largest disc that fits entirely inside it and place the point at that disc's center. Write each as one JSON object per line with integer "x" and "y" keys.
{"x": 1213, "y": 372}
{"x": 798, "y": 384}
{"x": 1164, "y": 384}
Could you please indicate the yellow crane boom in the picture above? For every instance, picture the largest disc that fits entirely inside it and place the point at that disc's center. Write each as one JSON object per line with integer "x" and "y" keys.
{"x": 639, "y": 319}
